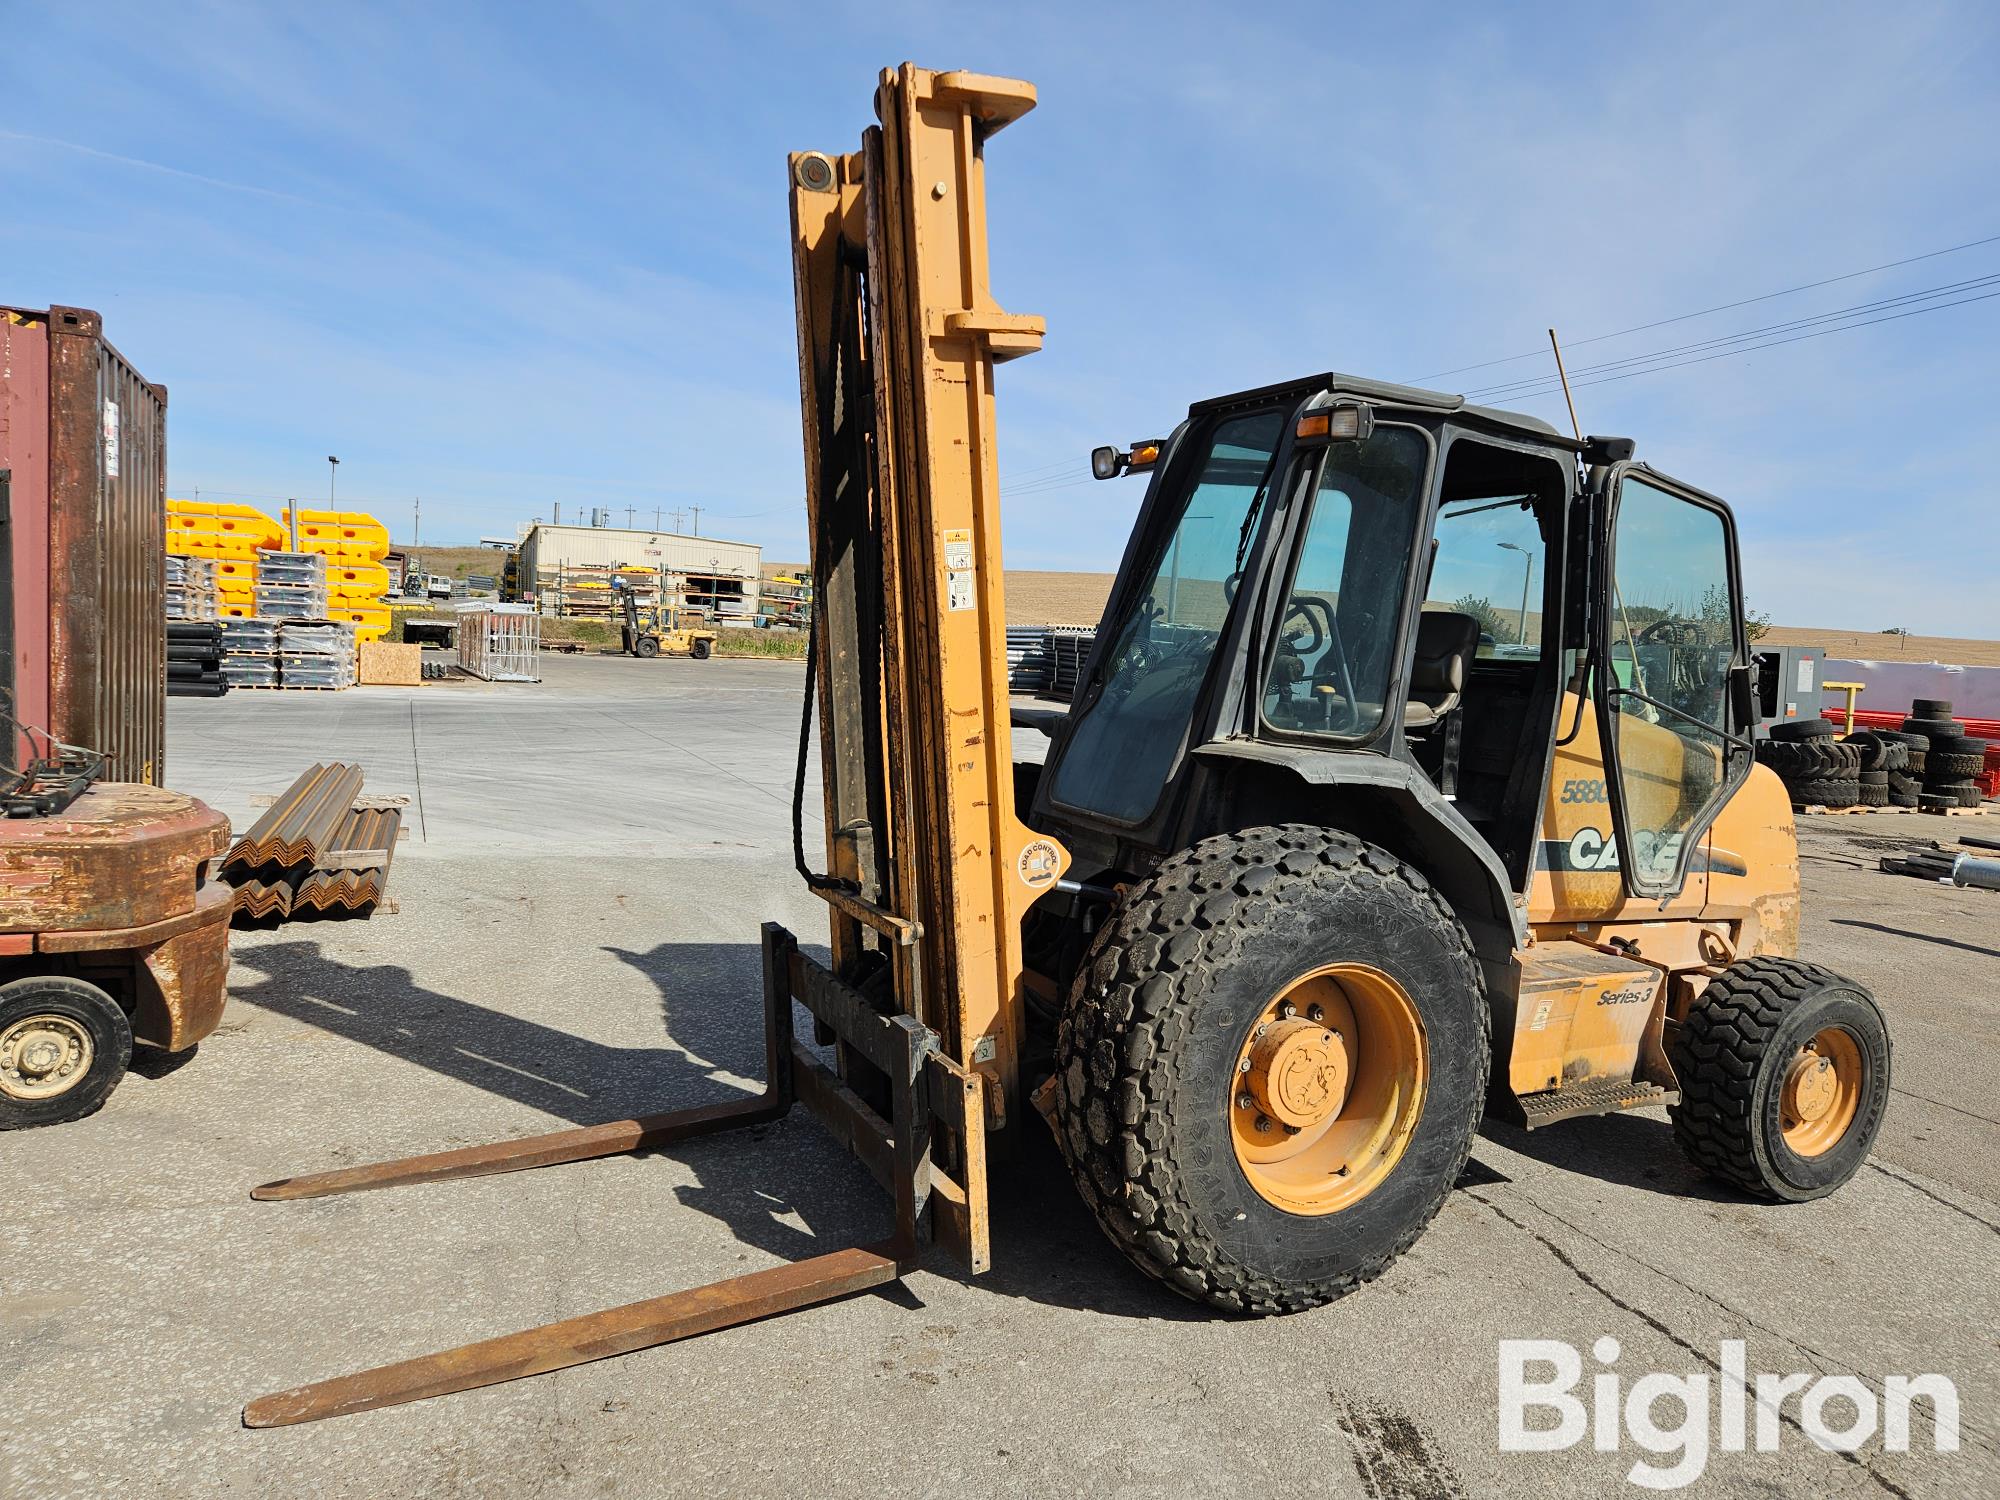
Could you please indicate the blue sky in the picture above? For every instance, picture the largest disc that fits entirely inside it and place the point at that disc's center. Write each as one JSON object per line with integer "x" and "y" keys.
{"x": 503, "y": 256}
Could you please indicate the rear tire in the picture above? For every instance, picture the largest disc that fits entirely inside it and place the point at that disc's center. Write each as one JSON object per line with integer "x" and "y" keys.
{"x": 699, "y": 650}
{"x": 1742, "y": 1040}
{"x": 64, "y": 1045}
{"x": 1845, "y": 792}
{"x": 1148, "y": 1056}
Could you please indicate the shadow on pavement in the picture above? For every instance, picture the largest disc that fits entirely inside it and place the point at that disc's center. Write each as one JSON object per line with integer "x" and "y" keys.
{"x": 1628, "y": 1150}
{"x": 1921, "y": 937}
{"x": 783, "y": 1188}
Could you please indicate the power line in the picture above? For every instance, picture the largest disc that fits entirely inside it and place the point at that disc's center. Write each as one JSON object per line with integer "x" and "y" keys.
{"x": 1788, "y": 326}
{"x": 1720, "y": 307}
{"x": 1027, "y": 474}
{"x": 1772, "y": 343}
{"x": 1074, "y": 481}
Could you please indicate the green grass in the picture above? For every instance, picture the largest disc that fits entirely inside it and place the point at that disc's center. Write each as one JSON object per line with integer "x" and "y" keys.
{"x": 783, "y": 644}
{"x": 588, "y": 632}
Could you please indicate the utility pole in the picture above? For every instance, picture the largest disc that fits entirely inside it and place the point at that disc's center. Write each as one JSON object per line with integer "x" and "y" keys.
{"x": 677, "y": 520}
{"x": 697, "y": 518}
{"x": 656, "y": 518}
{"x": 1527, "y": 574}
{"x": 628, "y": 517}
{"x": 417, "y": 528}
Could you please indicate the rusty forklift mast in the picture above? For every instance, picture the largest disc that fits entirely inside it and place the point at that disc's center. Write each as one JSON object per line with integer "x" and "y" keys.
{"x": 929, "y": 869}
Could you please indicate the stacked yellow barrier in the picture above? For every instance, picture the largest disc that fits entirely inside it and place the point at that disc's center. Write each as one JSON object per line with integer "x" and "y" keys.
{"x": 357, "y": 583}
{"x": 229, "y": 535}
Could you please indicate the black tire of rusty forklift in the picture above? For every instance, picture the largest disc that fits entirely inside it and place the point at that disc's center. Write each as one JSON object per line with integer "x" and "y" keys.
{"x": 1147, "y": 1051}
{"x": 699, "y": 650}
{"x": 98, "y": 1017}
{"x": 1731, "y": 1055}
{"x": 646, "y": 648}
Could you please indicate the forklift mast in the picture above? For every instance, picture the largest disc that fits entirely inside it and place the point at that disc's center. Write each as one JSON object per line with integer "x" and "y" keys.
{"x": 929, "y": 870}
{"x": 927, "y": 865}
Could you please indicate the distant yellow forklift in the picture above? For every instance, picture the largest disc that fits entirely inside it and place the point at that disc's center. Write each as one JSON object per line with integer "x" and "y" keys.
{"x": 652, "y": 630}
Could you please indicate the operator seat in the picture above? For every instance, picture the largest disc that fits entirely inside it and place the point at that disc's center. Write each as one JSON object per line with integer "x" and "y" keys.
{"x": 1446, "y": 642}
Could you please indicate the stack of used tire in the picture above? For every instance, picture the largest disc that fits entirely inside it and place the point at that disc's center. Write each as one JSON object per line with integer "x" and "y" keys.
{"x": 1817, "y": 769}
{"x": 1951, "y": 759}
{"x": 1886, "y": 779}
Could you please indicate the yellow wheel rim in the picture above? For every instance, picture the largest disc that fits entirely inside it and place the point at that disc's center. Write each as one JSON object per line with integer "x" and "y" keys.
{"x": 43, "y": 1056}
{"x": 1328, "y": 1089}
{"x": 1822, "y": 1092}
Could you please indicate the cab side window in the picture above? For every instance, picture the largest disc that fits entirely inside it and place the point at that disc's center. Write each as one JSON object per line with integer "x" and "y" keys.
{"x": 1489, "y": 565}
{"x": 1672, "y": 619}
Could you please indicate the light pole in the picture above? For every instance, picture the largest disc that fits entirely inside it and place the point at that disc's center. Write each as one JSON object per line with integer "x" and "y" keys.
{"x": 1527, "y": 573}
{"x": 332, "y": 468}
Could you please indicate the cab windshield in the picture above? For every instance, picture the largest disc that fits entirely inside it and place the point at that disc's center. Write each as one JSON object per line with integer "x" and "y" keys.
{"x": 1126, "y": 741}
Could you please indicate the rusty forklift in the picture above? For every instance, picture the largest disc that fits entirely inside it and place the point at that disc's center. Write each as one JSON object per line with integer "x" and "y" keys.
{"x": 1330, "y": 855}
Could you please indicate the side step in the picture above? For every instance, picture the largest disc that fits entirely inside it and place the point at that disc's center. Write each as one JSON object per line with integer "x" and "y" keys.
{"x": 1598, "y": 1097}
{"x": 939, "y": 1193}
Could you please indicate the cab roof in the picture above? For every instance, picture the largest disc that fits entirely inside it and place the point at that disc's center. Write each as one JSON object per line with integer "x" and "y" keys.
{"x": 1385, "y": 393}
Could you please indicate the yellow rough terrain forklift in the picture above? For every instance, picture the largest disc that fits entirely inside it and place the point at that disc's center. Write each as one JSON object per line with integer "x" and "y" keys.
{"x": 1329, "y": 855}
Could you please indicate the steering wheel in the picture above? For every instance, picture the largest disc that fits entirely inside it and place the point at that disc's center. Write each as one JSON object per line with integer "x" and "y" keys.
{"x": 1309, "y": 610}
{"x": 1326, "y": 636}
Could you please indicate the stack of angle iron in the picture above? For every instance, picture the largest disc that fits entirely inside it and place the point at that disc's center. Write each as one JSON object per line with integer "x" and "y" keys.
{"x": 316, "y": 853}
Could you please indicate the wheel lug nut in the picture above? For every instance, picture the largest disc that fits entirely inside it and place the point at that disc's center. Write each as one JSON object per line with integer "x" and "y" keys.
{"x": 1244, "y": 1101}
{"x": 1288, "y": 1010}
{"x": 1263, "y": 1123}
{"x": 1316, "y": 1013}
{"x": 1243, "y": 1066}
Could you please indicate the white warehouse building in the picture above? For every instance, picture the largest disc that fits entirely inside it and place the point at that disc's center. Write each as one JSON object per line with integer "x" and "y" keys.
{"x": 707, "y": 572}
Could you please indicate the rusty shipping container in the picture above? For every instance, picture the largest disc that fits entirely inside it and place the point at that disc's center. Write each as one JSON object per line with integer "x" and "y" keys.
{"x": 83, "y": 437}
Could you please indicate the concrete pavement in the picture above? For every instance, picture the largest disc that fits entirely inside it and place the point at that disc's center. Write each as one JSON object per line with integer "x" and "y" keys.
{"x": 588, "y": 864}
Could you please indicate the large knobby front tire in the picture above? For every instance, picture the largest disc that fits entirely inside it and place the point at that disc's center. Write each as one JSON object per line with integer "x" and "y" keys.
{"x": 1784, "y": 1076}
{"x": 1363, "y": 980}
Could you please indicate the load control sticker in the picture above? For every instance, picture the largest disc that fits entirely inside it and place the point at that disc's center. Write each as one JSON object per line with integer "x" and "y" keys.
{"x": 1039, "y": 863}
{"x": 111, "y": 439}
{"x": 959, "y": 592}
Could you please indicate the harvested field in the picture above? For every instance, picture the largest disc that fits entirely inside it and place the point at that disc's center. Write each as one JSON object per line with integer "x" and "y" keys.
{"x": 1874, "y": 646}
{"x": 1056, "y": 598}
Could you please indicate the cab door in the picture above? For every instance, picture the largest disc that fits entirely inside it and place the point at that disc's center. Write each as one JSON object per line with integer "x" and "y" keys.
{"x": 1672, "y": 670}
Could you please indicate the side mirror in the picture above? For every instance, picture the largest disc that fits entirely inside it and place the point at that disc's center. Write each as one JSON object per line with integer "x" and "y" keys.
{"x": 1743, "y": 697}
{"x": 1106, "y": 463}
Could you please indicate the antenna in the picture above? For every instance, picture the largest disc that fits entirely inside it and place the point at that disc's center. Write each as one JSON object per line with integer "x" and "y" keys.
{"x": 1567, "y": 398}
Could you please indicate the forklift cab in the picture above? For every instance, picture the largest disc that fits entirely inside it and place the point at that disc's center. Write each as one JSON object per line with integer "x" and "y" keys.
{"x": 1379, "y": 608}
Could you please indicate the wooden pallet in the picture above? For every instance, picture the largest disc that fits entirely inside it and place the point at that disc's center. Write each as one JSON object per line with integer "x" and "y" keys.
{"x": 1961, "y": 812}
{"x": 1817, "y": 810}
{"x": 286, "y": 687}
